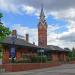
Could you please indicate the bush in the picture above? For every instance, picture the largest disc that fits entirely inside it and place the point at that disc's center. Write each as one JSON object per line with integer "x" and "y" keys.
{"x": 0, "y": 55}
{"x": 38, "y": 59}
{"x": 23, "y": 61}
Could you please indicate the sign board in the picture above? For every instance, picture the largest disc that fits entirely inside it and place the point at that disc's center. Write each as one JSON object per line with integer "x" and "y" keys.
{"x": 41, "y": 50}
{"x": 13, "y": 52}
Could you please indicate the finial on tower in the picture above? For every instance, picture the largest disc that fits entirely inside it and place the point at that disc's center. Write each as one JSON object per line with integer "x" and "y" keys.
{"x": 42, "y": 15}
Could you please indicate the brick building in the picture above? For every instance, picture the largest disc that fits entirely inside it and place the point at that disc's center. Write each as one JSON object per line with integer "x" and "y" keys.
{"x": 42, "y": 30}
{"x": 22, "y": 46}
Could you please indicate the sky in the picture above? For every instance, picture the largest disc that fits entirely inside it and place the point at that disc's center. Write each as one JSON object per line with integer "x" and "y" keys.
{"x": 23, "y": 15}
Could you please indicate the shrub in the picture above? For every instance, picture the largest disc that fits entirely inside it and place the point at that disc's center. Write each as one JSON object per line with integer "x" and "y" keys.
{"x": 23, "y": 61}
{"x": 38, "y": 59}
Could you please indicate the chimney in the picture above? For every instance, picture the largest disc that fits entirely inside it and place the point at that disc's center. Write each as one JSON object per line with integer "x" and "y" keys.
{"x": 33, "y": 43}
{"x": 27, "y": 38}
{"x": 14, "y": 33}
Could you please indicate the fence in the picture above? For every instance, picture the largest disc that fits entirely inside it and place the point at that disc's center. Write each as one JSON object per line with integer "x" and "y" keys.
{"x": 2, "y": 69}
{"x": 25, "y": 67}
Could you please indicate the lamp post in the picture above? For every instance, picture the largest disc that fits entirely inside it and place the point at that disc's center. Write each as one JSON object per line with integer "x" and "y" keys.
{"x": 73, "y": 49}
{"x": 41, "y": 51}
{"x": 13, "y": 51}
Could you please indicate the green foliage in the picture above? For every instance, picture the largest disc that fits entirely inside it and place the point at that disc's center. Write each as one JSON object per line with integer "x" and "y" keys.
{"x": 73, "y": 52}
{"x": 4, "y": 31}
{"x": 23, "y": 61}
{"x": 0, "y": 53}
{"x": 34, "y": 59}
{"x": 1, "y": 15}
{"x": 71, "y": 55}
{"x": 39, "y": 59}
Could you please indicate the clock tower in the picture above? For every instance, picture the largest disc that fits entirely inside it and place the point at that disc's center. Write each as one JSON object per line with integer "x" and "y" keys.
{"x": 42, "y": 30}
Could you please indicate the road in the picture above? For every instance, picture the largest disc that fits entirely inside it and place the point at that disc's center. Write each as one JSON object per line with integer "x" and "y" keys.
{"x": 0, "y": 61}
{"x": 66, "y": 69}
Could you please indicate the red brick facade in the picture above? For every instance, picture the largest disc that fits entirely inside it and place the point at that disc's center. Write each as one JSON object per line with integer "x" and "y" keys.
{"x": 5, "y": 56}
{"x": 59, "y": 56}
{"x": 42, "y": 35}
{"x": 42, "y": 30}
{"x": 56, "y": 55}
{"x": 25, "y": 67}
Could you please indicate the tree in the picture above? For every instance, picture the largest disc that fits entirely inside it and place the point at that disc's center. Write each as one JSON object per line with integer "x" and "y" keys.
{"x": 4, "y": 31}
{"x": 1, "y": 15}
{"x": 73, "y": 52}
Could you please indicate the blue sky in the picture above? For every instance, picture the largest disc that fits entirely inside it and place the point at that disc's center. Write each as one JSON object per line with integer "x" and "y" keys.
{"x": 24, "y": 17}
{"x": 27, "y": 20}
{"x": 30, "y": 21}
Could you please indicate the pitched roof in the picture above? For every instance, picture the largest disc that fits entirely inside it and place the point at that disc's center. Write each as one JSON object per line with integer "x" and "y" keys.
{"x": 22, "y": 42}
{"x": 18, "y": 41}
{"x": 55, "y": 48}
{"x": 67, "y": 49}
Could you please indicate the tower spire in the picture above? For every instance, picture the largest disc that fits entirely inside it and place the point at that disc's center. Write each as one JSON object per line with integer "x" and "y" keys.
{"x": 42, "y": 30}
{"x": 42, "y": 15}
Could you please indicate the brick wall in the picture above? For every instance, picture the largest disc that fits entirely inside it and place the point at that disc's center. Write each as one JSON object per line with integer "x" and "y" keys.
{"x": 54, "y": 57}
{"x": 24, "y": 67}
{"x": 18, "y": 55}
{"x": 72, "y": 62}
{"x": 65, "y": 57}
{"x": 5, "y": 56}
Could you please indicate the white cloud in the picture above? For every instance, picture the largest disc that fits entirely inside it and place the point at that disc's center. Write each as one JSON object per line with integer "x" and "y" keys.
{"x": 64, "y": 14}
{"x": 61, "y": 39}
{"x": 7, "y": 6}
{"x": 22, "y": 30}
{"x": 59, "y": 9}
{"x": 28, "y": 9}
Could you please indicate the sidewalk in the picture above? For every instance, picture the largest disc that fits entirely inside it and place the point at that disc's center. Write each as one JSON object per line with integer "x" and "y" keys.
{"x": 65, "y": 69}
{"x": 0, "y": 61}
{"x": 26, "y": 72}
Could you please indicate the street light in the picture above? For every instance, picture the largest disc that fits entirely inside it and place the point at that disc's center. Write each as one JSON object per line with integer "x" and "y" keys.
{"x": 13, "y": 51}
{"x": 41, "y": 51}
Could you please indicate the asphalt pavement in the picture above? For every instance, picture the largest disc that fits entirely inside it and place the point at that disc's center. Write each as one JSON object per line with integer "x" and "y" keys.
{"x": 65, "y": 69}
{"x": 0, "y": 61}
